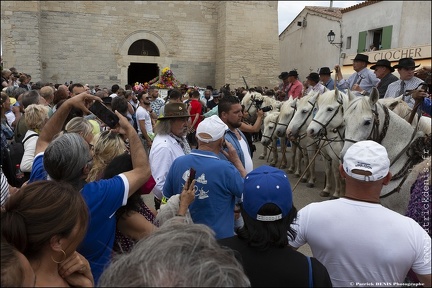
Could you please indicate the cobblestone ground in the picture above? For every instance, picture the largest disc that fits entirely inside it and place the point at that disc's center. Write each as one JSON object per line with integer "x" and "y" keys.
{"x": 302, "y": 195}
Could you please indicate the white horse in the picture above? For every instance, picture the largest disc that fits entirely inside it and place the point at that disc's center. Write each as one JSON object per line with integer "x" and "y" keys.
{"x": 296, "y": 132}
{"x": 285, "y": 116}
{"x": 269, "y": 137}
{"x": 401, "y": 108}
{"x": 366, "y": 119}
{"x": 328, "y": 125}
{"x": 254, "y": 100}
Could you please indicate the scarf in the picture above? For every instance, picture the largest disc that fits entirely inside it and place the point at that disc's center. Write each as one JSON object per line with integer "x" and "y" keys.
{"x": 183, "y": 143}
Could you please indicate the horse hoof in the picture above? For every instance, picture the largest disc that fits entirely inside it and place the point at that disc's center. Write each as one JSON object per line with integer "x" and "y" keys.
{"x": 261, "y": 157}
{"x": 303, "y": 180}
{"x": 333, "y": 197}
{"x": 324, "y": 194}
{"x": 310, "y": 185}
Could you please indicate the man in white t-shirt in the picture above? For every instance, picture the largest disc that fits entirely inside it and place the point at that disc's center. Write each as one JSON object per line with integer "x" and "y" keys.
{"x": 145, "y": 127}
{"x": 360, "y": 242}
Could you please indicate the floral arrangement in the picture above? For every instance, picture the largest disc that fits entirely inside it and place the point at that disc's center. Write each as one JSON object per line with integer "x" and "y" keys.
{"x": 165, "y": 81}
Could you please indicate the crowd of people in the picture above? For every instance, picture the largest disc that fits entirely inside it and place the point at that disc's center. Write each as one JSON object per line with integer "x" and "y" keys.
{"x": 73, "y": 212}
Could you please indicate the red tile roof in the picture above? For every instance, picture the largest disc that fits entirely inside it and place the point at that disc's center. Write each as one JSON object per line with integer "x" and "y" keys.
{"x": 335, "y": 12}
{"x": 360, "y": 5}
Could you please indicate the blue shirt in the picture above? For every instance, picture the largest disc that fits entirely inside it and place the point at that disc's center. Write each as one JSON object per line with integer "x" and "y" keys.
{"x": 330, "y": 84}
{"x": 217, "y": 185}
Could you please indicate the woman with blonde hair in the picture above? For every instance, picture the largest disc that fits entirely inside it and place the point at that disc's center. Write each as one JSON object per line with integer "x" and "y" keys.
{"x": 81, "y": 126}
{"x": 107, "y": 145}
{"x": 36, "y": 117}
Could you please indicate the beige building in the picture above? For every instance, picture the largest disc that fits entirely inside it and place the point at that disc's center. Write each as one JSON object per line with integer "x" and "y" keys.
{"x": 398, "y": 29}
{"x": 121, "y": 42}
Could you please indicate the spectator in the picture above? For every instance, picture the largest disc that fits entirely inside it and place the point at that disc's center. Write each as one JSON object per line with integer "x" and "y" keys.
{"x": 59, "y": 95}
{"x": 268, "y": 212}
{"x": 144, "y": 122}
{"x": 362, "y": 81}
{"x": 6, "y": 78}
{"x": 107, "y": 145}
{"x": 68, "y": 159}
{"x": 230, "y": 112}
{"x": 170, "y": 142}
{"x": 75, "y": 89}
{"x": 176, "y": 255}
{"x": 360, "y": 215}
{"x": 155, "y": 101}
{"x": 16, "y": 270}
{"x": 196, "y": 112}
{"x": 36, "y": 117}
{"x": 174, "y": 96}
{"x": 122, "y": 105}
{"x": 218, "y": 182}
{"x": 46, "y": 221}
{"x": 114, "y": 89}
{"x": 47, "y": 92}
{"x": 383, "y": 71}
{"x": 214, "y": 102}
{"x": 295, "y": 87}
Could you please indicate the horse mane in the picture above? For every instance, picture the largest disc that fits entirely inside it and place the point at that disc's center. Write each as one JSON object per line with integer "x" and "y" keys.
{"x": 359, "y": 102}
{"x": 327, "y": 100}
{"x": 303, "y": 100}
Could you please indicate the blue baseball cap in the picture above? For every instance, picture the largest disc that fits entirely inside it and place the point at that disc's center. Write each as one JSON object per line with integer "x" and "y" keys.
{"x": 265, "y": 185}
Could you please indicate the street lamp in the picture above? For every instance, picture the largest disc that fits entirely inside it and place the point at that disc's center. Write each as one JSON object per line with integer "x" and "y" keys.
{"x": 331, "y": 37}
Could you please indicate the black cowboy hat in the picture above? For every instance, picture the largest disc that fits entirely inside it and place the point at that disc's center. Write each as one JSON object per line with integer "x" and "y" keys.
{"x": 175, "y": 110}
{"x": 283, "y": 75}
{"x": 293, "y": 73}
{"x": 314, "y": 77}
{"x": 383, "y": 63}
{"x": 406, "y": 63}
{"x": 361, "y": 57}
{"x": 325, "y": 70}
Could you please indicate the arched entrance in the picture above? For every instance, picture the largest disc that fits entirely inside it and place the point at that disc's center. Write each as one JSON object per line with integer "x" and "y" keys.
{"x": 141, "y": 57}
{"x": 142, "y": 72}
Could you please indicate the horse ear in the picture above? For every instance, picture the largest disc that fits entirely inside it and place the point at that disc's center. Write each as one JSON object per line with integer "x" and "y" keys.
{"x": 351, "y": 96}
{"x": 374, "y": 96}
{"x": 290, "y": 97}
{"x": 325, "y": 90}
{"x": 294, "y": 103}
{"x": 399, "y": 98}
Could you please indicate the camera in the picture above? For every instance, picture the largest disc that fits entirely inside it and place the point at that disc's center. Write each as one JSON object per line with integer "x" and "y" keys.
{"x": 267, "y": 108}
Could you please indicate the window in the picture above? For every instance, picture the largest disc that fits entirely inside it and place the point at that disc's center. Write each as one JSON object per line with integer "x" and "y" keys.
{"x": 380, "y": 38}
{"x": 348, "y": 43}
{"x": 143, "y": 48}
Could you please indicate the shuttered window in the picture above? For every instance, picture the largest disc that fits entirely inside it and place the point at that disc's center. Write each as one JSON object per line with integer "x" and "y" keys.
{"x": 386, "y": 37}
{"x": 362, "y": 42}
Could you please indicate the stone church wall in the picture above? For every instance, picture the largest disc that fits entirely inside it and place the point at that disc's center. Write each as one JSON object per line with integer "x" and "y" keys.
{"x": 204, "y": 42}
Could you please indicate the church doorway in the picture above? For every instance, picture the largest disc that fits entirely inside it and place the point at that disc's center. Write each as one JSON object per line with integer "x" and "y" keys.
{"x": 142, "y": 72}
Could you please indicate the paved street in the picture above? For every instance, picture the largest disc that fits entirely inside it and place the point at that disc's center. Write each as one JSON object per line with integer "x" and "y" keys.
{"x": 302, "y": 195}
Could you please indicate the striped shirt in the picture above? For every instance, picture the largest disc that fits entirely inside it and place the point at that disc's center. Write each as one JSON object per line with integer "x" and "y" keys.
{"x": 394, "y": 88}
{"x": 4, "y": 188}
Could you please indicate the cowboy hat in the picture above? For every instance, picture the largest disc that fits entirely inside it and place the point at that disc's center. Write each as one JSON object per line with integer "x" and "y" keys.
{"x": 293, "y": 73}
{"x": 283, "y": 75}
{"x": 325, "y": 71}
{"x": 174, "y": 110}
{"x": 383, "y": 63}
{"x": 361, "y": 57}
{"x": 406, "y": 63}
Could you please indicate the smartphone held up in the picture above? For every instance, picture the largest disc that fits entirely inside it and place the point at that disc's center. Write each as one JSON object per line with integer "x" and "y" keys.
{"x": 104, "y": 114}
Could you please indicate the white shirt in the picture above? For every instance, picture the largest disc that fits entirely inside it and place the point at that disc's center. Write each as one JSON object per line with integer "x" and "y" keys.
{"x": 360, "y": 242}
{"x": 247, "y": 157}
{"x": 29, "y": 151}
{"x": 142, "y": 114}
{"x": 394, "y": 88}
{"x": 162, "y": 154}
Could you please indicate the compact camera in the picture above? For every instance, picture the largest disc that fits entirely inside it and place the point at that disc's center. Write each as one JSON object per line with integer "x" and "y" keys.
{"x": 267, "y": 108}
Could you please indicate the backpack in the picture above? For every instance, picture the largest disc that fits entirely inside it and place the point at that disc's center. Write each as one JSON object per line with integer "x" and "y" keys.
{"x": 11, "y": 156}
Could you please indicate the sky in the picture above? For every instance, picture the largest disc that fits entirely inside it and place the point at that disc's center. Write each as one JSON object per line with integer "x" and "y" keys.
{"x": 288, "y": 10}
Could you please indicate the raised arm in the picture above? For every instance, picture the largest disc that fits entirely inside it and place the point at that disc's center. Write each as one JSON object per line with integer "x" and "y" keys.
{"x": 56, "y": 122}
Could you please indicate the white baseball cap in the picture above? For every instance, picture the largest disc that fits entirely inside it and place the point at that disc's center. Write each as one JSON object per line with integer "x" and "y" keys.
{"x": 211, "y": 129}
{"x": 366, "y": 161}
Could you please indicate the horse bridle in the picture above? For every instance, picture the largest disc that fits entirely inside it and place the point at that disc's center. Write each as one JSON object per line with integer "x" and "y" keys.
{"x": 374, "y": 134}
{"x": 324, "y": 126}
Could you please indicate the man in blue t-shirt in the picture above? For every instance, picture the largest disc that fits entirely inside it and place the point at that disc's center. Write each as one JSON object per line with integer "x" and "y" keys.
{"x": 68, "y": 158}
{"x": 218, "y": 182}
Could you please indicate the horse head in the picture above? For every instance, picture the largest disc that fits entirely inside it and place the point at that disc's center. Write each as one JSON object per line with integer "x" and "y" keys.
{"x": 304, "y": 109}
{"x": 329, "y": 116}
{"x": 270, "y": 122}
{"x": 286, "y": 113}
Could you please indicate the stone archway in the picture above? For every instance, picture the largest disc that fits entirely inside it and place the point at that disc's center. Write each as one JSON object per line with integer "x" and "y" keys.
{"x": 124, "y": 60}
